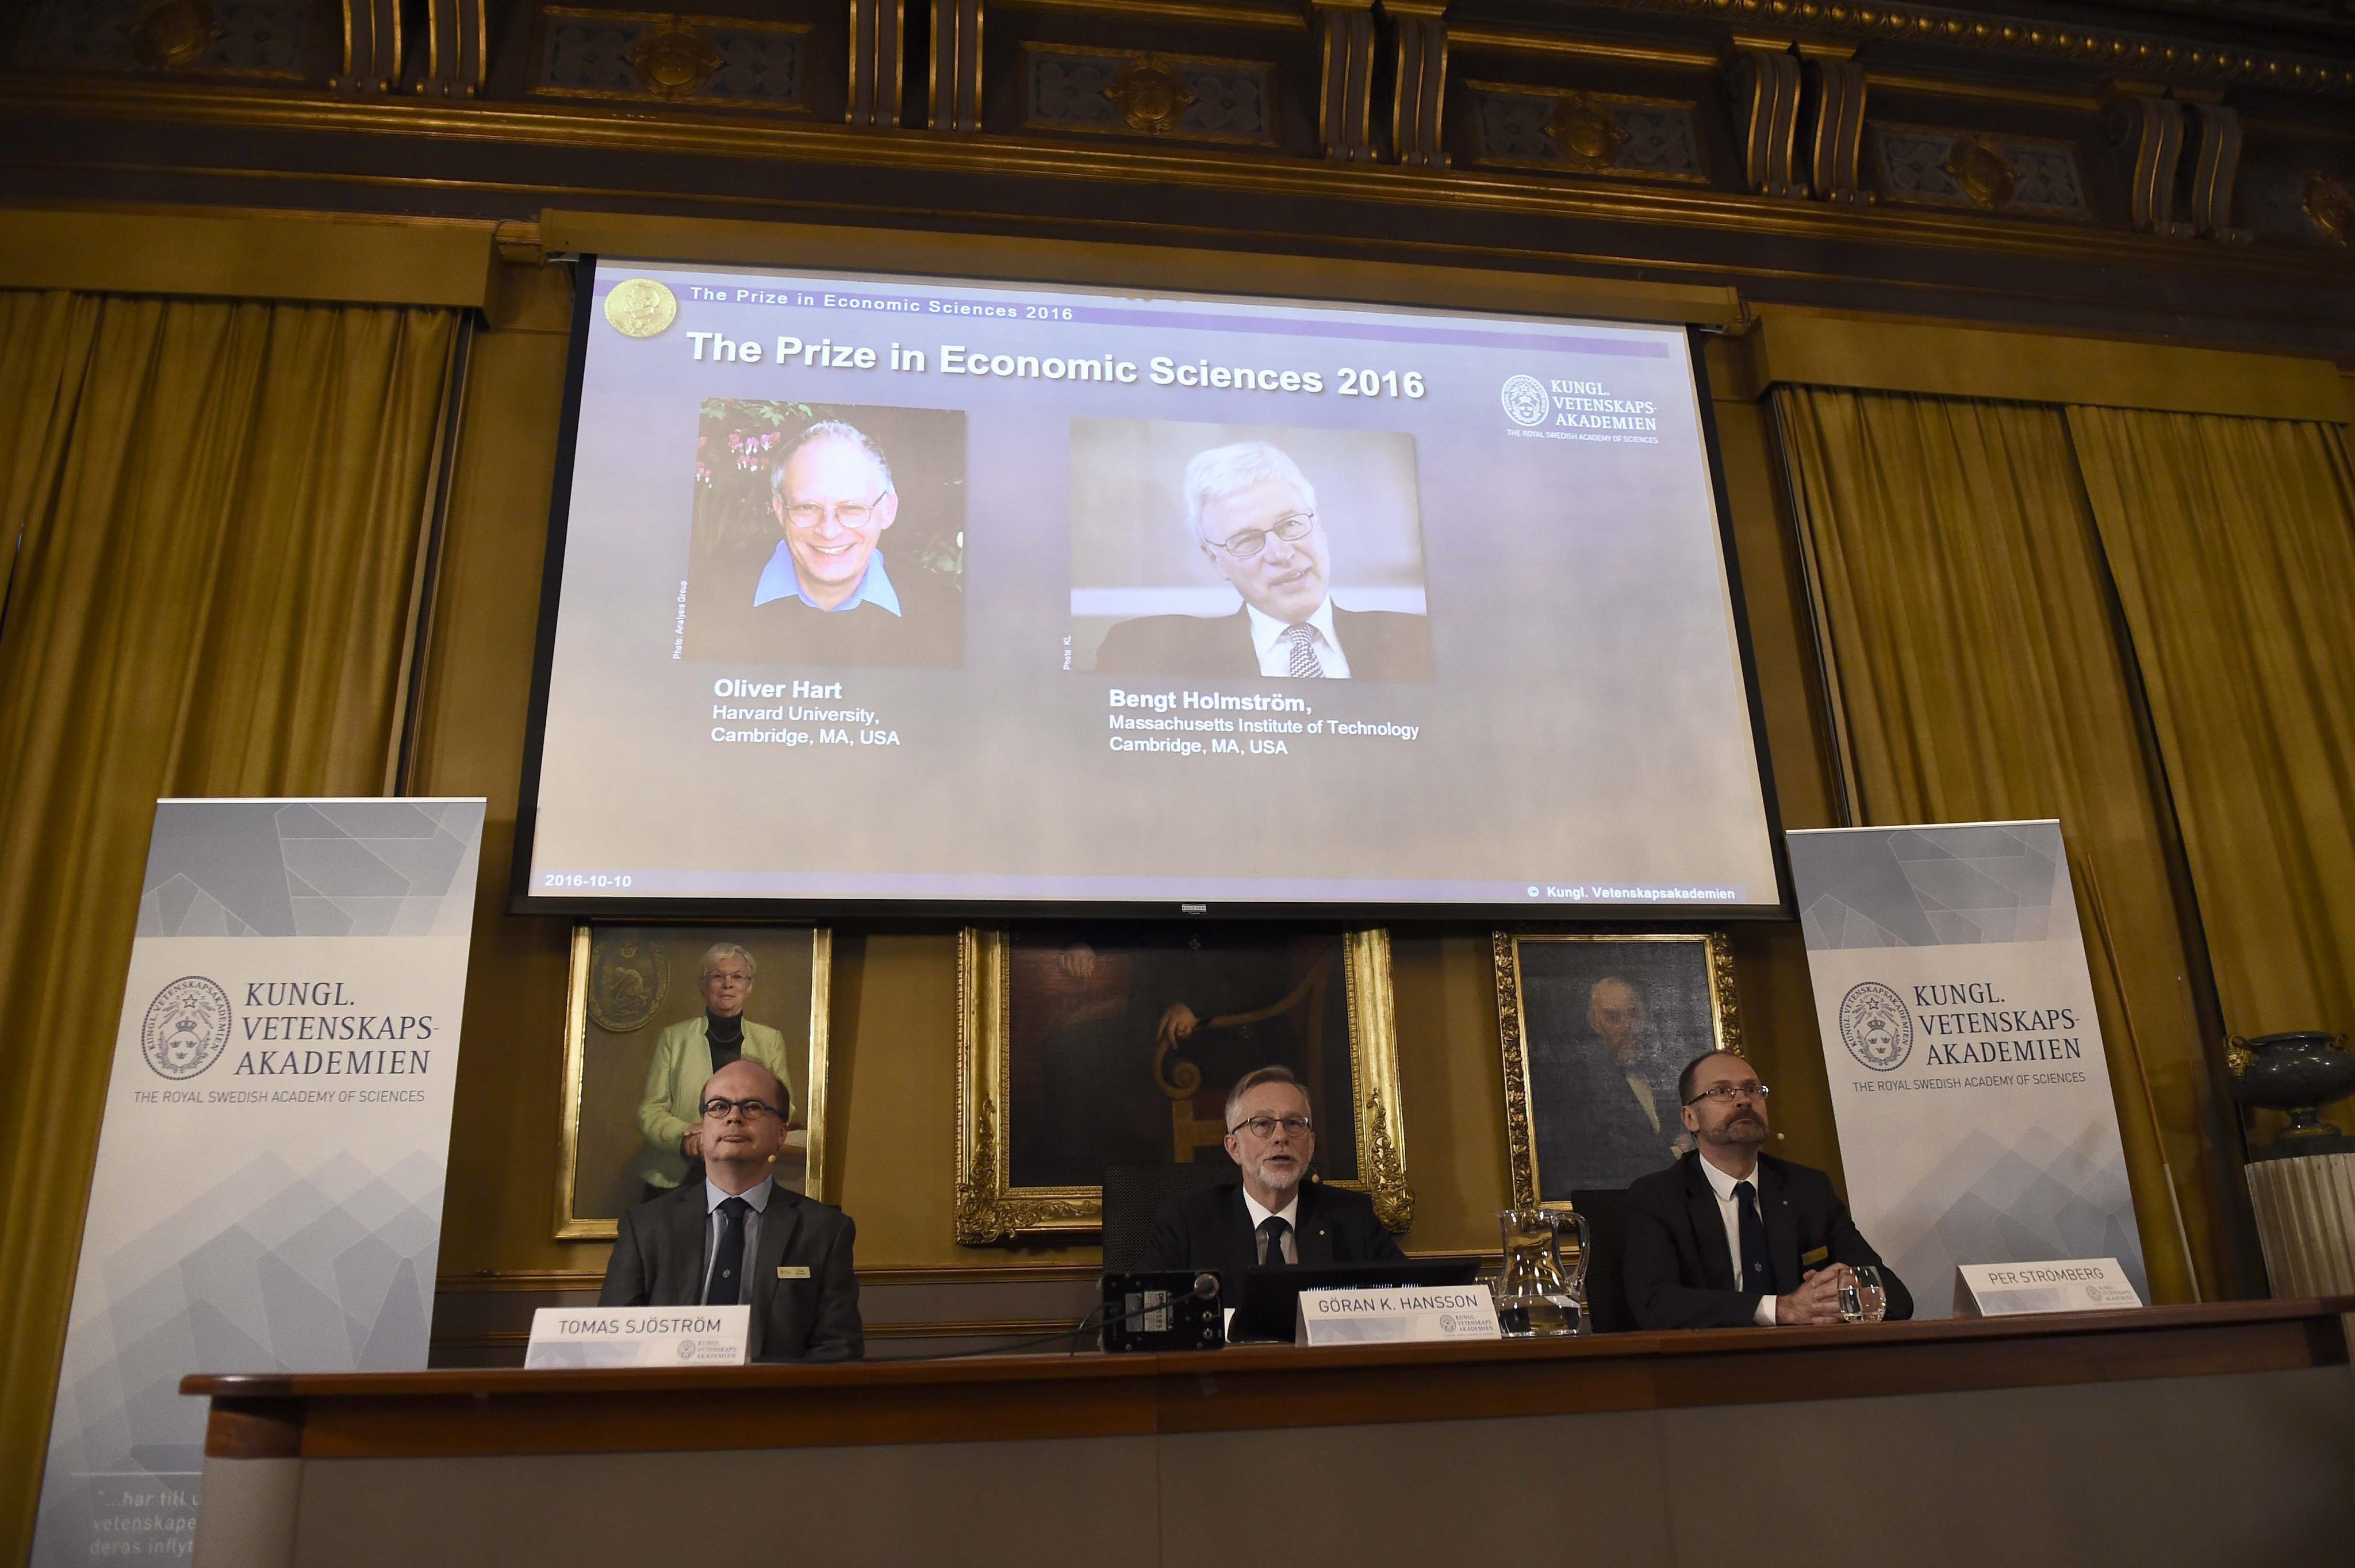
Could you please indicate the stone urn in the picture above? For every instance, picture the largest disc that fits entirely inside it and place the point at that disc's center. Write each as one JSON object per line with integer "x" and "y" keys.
{"x": 2298, "y": 1073}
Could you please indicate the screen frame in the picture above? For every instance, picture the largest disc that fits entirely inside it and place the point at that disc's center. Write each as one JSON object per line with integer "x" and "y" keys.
{"x": 523, "y": 899}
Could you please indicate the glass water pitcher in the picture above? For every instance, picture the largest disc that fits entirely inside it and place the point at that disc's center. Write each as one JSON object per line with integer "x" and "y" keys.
{"x": 1539, "y": 1295}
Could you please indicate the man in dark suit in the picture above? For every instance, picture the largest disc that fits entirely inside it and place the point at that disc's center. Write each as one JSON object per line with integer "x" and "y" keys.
{"x": 1728, "y": 1237}
{"x": 1253, "y": 514}
{"x": 736, "y": 1236}
{"x": 1275, "y": 1216}
{"x": 825, "y": 596}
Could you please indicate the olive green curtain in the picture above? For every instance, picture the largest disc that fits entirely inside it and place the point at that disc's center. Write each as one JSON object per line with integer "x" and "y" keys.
{"x": 215, "y": 509}
{"x": 2233, "y": 542}
{"x": 1978, "y": 677}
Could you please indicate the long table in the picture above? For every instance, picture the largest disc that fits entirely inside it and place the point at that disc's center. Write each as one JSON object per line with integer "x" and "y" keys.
{"x": 2215, "y": 1434}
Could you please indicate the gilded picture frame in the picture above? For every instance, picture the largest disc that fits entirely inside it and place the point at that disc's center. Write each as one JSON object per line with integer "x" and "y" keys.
{"x": 1006, "y": 1187}
{"x": 1575, "y": 1117}
{"x": 617, "y": 1005}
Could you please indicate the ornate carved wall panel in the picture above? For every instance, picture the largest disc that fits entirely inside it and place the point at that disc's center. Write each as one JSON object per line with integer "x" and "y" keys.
{"x": 2016, "y": 175}
{"x": 1138, "y": 93}
{"x": 1587, "y": 133}
{"x": 672, "y": 58}
{"x": 266, "y": 39}
{"x": 1781, "y": 144}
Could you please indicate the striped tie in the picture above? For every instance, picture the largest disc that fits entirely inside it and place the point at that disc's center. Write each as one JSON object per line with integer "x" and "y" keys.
{"x": 1303, "y": 655}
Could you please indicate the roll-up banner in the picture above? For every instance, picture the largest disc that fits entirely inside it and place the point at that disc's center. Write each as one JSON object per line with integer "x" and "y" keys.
{"x": 1967, "y": 1079}
{"x": 268, "y": 1190}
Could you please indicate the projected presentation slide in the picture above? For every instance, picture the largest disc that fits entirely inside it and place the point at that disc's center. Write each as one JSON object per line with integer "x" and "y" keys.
{"x": 878, "y": 589}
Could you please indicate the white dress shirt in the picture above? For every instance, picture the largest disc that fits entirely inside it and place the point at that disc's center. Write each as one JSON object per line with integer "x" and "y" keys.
{"x": 1289, "y": 1214}
{"x": 1275, "y": 653}
{"x": 1729, "y": 1210}
{"x": 758, "y": 1196}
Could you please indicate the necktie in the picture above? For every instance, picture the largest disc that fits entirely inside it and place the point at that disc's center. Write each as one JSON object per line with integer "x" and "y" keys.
{"x": 1303, "y": 653}
{"x": 1753, "y": 1241}
{"x": 728, "y": 1258}
{"x": 1270, "y": 1241}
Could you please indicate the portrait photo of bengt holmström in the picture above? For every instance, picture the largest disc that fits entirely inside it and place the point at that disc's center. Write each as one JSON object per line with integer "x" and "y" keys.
{"x": 827, "y": 534}
{"x": 1243, "y": 551}
{"x": 654, "y": 1011}
{"x": 1083, "y": 1049}
{"x": 1595, "y": 1030}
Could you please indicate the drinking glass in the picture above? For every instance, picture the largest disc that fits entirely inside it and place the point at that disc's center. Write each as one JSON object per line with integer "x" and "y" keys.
{"x": 1863, "y": 1298}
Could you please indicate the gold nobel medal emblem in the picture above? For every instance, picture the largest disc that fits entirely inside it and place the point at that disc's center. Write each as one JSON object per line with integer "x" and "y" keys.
{"x": 641, "y": 307}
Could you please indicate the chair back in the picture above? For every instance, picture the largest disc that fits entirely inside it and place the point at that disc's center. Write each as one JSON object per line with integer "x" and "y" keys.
{"x": 1132, "y": 1192}
{"x": 1606, "y": 1209}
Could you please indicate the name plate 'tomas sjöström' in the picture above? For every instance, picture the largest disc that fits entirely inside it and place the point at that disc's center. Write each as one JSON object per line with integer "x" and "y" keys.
{"x": 639, "y": 1335}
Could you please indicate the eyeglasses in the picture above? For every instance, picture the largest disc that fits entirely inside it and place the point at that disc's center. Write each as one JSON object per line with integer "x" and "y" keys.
{"x": 716, "y": 1110}
{"x": 1726, "y": 1094}
{"x": 852, "y": 515}
{"x": 1265, "y": 1126}
{"x": 1250, "y": 541}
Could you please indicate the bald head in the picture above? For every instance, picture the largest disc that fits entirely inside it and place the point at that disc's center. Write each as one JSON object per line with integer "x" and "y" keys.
{"x": 745, "y": 1079}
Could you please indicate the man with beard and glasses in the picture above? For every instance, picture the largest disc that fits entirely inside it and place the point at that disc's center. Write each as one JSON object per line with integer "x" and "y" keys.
{"x": 1275, "y": 1216}
{"x": 1727, "y": 1237}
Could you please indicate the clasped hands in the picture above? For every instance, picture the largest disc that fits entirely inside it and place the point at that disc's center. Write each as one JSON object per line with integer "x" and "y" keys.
{"x": 1817, "y": 1298}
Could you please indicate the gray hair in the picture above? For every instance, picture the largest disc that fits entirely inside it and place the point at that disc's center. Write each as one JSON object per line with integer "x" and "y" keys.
{"x": 831, "y": 430}
{"x": 718, "y": 950}
{"x": 1254, "y": 1079}
{"x": 1211, "y": 477}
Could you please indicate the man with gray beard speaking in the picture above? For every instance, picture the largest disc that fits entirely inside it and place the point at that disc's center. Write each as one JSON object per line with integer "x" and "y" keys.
{"x": 1275, "y": 1216}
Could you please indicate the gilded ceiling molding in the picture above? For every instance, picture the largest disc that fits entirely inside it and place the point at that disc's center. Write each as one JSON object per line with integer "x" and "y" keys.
{"x": 2148, "y": 127}
{"x": 591, "y": 133}
{"x": 2214, "y": 171}
{"x": 957, "y": 66}
{"x": 877, "y": 29}
{"x": 1916, "y": 23}
{"x": 1344, "y": 31}
{"x": 1764, "y": 75}
{"x": 1835, "y": 87}
{"x": 457, "y": 47}
{"x": 1417, "y": 105}
{"x": 371, "y": 59}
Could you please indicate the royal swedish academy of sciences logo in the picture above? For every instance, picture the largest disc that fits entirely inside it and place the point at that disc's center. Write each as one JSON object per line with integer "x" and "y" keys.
{"x": 1526, "y": 401}
{"x": 187, "y": 1028}
{"x": 641, "y": 307}
{"x": 1875, "y": 1026}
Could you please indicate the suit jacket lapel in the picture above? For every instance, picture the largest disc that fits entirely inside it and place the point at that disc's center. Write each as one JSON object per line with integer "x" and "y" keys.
{"x": 1240, "y": 1251}
{"x": 1708, "y": 1227}
{"x": 1782, "y": 1228}
{"x": 778, "y": 1223}
{"x": 686, "y": 1236}
{"x": 1314, "y": 1239}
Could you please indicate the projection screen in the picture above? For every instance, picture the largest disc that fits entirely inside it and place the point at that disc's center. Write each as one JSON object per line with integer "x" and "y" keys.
{"x": 889, "y": 591}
